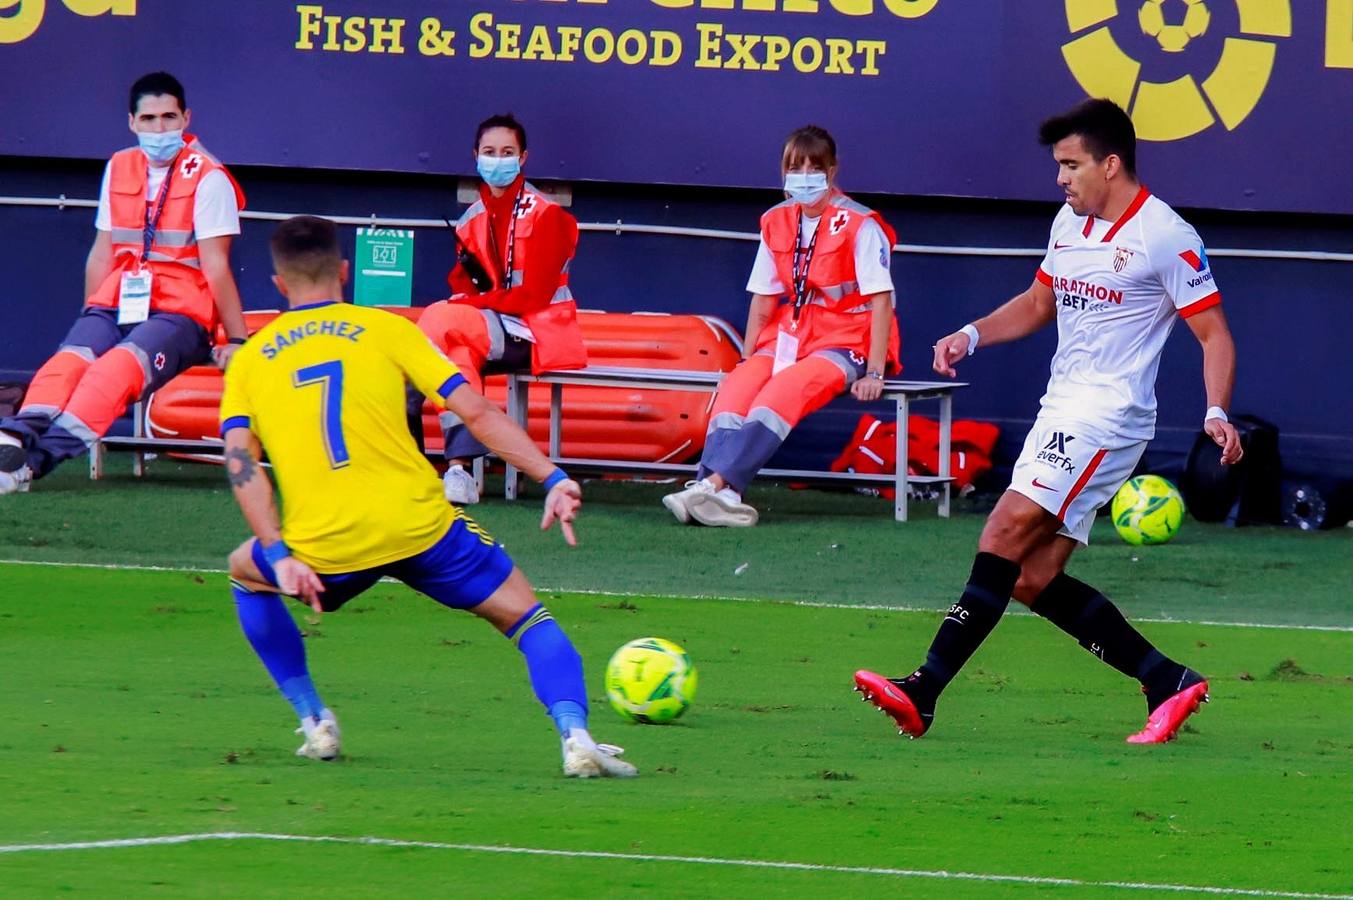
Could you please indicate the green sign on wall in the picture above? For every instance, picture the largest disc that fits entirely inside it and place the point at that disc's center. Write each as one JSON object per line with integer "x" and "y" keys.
{"x": 384, "y": 264}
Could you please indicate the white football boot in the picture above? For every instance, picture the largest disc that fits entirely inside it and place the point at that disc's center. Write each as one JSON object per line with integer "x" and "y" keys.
{"x": 722, "y": 509}
{"x": 16, "y": 482}
{"x": 585, "y": 758}
{"x": 459, "y": 486}
{"x": 321, "y": 738}
{"x": 678, "y": 504}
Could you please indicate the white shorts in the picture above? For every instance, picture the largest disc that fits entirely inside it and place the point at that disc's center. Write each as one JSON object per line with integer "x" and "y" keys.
{"x": 1072, "y": 470}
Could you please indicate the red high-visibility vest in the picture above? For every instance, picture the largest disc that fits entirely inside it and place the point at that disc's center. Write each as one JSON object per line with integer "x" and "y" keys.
{"x": 836, "y": 314}
{"x": 559, "y": 340}
{"x": 177, "y": 285}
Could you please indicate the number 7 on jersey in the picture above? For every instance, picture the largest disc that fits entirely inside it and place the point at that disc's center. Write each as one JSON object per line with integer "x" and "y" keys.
{"x": 329, "y": 376}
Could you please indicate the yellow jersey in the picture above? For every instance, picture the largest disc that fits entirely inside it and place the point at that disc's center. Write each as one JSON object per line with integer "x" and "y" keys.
{"x": 322, "y": 387}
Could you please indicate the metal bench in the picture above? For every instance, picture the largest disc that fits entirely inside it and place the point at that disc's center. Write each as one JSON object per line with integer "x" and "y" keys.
{"x": 140, "y": 444}
{"x": 902, "y": 393}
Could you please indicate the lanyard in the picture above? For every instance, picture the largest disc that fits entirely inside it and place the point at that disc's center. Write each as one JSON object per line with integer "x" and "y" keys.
{"x": 151, "y": 223}
{"x": 804, "y": 256}
{"x": 506, "y": 281}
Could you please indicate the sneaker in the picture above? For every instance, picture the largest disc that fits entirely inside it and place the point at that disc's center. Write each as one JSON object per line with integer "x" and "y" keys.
{"x": 16, "y": 482}
{"x": 584, "y": 759}
{"x": 890, "y": 697}
{"x": 459, "y": 486}
{"x": 678, "y": 504}
{"x": 13, "y": 456}
{"x": 1164, "y": 721}
{"x": 721, "y": 509}
{"x": 322, "y": 741}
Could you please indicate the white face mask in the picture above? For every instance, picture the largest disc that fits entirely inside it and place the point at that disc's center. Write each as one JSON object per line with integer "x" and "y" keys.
{"x": 498, "y": 171}
{"x": 160, "y": 146}
{"x": 805, "y": 187}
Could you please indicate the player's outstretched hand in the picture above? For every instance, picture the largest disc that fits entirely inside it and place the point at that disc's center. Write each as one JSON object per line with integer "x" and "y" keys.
{"x": 949, "y": 350}
{"x": 296, "y": 579}
{"x": 1224, "y": 433}
{"x": 562, "y": 503}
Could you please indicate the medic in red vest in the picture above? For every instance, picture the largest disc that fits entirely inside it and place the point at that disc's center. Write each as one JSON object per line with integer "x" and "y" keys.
{"x": 821, "y": 321}
{"x": 157, "y": 282}
{"x": 511, "y": 309}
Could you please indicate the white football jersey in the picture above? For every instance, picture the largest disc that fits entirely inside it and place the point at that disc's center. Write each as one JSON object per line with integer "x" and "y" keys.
{"x": 1119, "y": 287}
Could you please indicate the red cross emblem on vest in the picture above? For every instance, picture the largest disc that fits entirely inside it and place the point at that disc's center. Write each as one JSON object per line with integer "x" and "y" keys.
{"x": 528, "y": 203}
{"x": 190, "y": 166}
{"x": 839, "y": 221}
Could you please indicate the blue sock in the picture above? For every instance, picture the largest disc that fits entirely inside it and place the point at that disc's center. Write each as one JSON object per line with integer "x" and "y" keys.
{"x": 277, "y": 641}
{"x": 555, "y": 667}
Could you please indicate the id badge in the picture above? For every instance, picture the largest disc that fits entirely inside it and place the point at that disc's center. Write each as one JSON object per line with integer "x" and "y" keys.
{"x": 786, "y": 351}
{"x": 133, "y": 300}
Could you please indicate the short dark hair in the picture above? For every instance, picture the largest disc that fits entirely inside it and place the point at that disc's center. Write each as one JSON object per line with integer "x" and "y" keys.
{"x": 502, "y": 120}
{"x": 1102, "y": 125}
{"x": 306, "y": 246}
{"x": 154, "y": 85}
{"x": 812, "y": 143}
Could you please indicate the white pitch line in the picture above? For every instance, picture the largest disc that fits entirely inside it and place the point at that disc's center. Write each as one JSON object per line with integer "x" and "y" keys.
{"x": 665, "y": 858}
{"x": 811, "y": 604}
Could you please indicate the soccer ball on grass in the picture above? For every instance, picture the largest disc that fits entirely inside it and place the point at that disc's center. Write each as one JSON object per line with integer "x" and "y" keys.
{"x": 1147, "y": 510}
{"x": 650, "y": 680}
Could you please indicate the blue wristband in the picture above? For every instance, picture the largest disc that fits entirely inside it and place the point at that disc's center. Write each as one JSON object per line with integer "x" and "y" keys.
{"x": 275, "y": 553}
{"x": 554, "y": 478}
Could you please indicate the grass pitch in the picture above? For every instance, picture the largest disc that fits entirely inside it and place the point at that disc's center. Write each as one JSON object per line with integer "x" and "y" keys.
{"x": 133, "y": 709}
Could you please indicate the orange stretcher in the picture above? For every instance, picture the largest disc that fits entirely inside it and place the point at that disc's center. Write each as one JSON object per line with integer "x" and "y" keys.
{"x": 620, "y": 423}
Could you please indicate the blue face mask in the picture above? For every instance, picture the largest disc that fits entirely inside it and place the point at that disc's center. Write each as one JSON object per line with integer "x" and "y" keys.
{"x": 498, "y": 171}
{"x": 805, "y": 187}
{"x": 160, "y": 146}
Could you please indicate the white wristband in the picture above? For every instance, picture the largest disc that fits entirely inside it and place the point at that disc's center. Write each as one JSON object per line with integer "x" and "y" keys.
{"x": 973, "y": 337}
{"x": 1215, "y": 412}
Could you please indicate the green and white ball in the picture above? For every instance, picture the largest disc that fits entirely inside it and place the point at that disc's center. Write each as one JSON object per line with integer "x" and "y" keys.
{"x": 1147, "y": 510}
{"x": 650, "y": 680}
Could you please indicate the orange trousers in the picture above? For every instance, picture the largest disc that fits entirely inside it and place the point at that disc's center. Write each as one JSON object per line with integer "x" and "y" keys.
{"x": 754, "y": 411}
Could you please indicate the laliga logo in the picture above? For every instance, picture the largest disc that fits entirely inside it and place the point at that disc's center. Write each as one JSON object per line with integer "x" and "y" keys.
{"x": 19, "y": 19}
{"x": 1174, "y": 38}
{"x": 1173, "y": 110}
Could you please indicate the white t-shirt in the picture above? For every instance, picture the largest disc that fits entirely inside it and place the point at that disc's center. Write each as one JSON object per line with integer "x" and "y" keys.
{"x": 873, "y": 255}
{"x": 215, "y": 212}
{"x": 1120, "y": 287}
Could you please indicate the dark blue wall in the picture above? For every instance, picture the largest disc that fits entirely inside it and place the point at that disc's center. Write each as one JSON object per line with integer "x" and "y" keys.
{"x": 1288, "y": 316}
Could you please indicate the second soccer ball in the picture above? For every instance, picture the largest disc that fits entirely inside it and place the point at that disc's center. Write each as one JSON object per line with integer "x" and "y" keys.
{"x": 1147, "y": 510}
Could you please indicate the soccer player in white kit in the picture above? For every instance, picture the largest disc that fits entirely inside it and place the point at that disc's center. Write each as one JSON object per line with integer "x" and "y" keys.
{"x": 1120, "y": 270}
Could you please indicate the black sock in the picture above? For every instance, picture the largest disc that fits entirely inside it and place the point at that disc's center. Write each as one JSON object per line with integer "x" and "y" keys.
{"x": 1091, "y": 618}
{"x": 968, "y": 623}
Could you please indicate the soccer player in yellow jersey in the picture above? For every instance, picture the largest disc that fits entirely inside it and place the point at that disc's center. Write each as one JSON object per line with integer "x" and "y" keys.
{"x": 321, "y": 389}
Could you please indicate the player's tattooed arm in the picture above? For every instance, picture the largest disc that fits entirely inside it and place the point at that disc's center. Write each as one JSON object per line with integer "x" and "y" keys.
{"x": 251, "y": 486}
{"x": 240, "y": 466}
